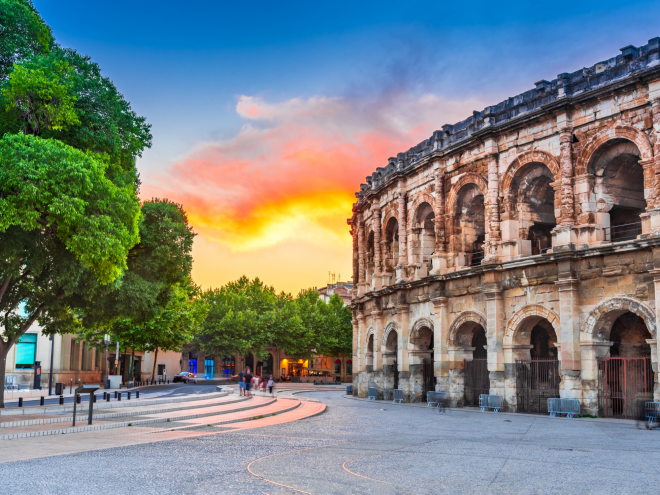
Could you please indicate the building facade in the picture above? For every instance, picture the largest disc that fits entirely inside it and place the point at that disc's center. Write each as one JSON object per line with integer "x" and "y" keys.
{"x": 74, "y": 361}
{"x": 517, "y": 252}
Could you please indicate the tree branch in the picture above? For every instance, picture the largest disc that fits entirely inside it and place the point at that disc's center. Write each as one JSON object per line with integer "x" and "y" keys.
{"x": 3, "y": 287}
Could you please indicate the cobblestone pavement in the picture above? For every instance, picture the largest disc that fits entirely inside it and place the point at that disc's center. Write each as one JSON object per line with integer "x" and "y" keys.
{"x": 360, "y": 447}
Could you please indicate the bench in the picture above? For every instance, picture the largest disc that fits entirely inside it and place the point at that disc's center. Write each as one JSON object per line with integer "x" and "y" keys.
{"x": 437, "y": 398}
{"x": 494, "y": 402}
{"x": 652, "y": 411}
{"x": 569, "y": 407}
{"x": 372, "y": 393}
{"x": 397, "y": 395}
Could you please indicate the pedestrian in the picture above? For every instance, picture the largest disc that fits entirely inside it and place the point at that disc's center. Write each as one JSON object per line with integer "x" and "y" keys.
{"x": 271, "y": 384}
{"x": 248, "y": 382}
{"x": 263, "y": 384}
{"x": 640, "y": 417}
{"x": 241, "y": 383}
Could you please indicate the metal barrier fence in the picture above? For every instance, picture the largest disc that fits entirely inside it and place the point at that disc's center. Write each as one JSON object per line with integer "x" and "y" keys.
{"x": 569, "y": 407}
{"x": 624, "y": 232}
{"x": 652, "y": 411}
{"x": 437, "y": 398}
{"x": 349, "y": 389}
{"x": 372, "y": 393}
{"x": 495, "y": 402}
{"x": 397, "y": 395}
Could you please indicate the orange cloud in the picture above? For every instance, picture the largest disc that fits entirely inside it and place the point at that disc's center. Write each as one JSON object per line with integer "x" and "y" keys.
{"x": 290, "y": 174}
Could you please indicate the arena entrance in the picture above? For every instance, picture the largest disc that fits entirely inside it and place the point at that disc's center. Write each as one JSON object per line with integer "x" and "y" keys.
{"x": 537, "y": 378}
{"x": 477, "y": 379}
{"x": 625, "y": 377}
{"x": 428, "y": 383}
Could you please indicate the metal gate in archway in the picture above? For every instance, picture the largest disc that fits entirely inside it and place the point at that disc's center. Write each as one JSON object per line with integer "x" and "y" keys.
{"x": 624, "y": 385}
{"x": 477, "y": 380}
{"x": 428, "y": 382}
{"x": 537, "y": 380}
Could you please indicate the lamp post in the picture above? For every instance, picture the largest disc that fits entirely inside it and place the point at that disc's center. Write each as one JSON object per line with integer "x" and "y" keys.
{"x": 50, "y": 372}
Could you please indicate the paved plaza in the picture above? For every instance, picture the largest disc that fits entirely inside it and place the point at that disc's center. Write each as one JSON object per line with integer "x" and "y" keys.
{"x": 356, "y": 447}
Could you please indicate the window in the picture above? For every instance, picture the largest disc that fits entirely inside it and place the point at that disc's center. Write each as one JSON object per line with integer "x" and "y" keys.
{"x": 192, "y": 365}
{"x": 349, "y": 367}
{"x": 338, "y": 367}
{"x": 161, "y": 368}
{"x": 208, "y": 368}
{"x": 26, "y": 350}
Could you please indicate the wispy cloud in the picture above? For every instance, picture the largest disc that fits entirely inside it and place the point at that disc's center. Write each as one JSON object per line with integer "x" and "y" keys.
{"x": 292, "y": 170}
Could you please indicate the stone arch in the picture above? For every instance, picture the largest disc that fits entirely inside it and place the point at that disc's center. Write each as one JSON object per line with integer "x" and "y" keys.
{"x": 417, "y": 202}
{"x": 531, "y": 156}
{"x": 469, "y": 178}
{"x": 533, "y": 310}
{"x": 388, "y": 329}
{"x": 388, "y": 213}
{"x": 464, "y": 317}
{"x": 602, "y": 317}
{"x": 415, "y": 331}
{"x": 618, "y": 131}
{"x": 371, "y": 332}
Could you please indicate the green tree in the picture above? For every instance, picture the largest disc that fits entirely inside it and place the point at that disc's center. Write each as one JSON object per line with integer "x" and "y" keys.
{"x": 40, "y": 94}
{"x": 65, "y": 231}
{"x": 23, "y": 33}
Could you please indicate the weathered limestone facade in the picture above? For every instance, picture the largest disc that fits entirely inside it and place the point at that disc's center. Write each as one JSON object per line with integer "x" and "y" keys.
{"x": 535, "y": 222}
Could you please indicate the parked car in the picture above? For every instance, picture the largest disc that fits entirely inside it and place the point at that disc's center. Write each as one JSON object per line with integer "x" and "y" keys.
{"x": 185, "y": 377}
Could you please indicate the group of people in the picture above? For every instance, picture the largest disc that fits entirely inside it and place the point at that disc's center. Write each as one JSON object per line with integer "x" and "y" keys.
{"x": 247, "y": 382}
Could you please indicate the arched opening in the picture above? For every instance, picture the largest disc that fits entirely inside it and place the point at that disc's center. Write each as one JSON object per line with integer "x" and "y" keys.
{"x": 369, "y": 355}
{"x": 535, "y": 205}
{"x": 424, "y": 235}
{"x": 625, "y": 377}
{"x": 619, "y": 189}
{"x": 390, "y": 248}
{"x": 390, "y": 366}
{"x": 369, "y": 258}
{"x": 469, "y": 345}
{"x": 265, "y": 367}
{"x": 469, "y": 228}
{"x": 420, "y": 352}
{"x": 537, "y": 365}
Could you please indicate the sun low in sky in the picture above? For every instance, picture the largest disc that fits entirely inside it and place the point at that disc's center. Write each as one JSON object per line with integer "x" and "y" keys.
{"x": 267, "y": 116}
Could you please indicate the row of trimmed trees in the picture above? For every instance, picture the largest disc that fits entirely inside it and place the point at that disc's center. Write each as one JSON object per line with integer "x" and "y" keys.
{"x": 81, "y": 254}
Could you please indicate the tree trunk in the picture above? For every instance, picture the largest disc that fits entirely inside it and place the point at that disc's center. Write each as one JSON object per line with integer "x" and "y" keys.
{"x": 4, "y": 350}
{"x": 153, "y": 373}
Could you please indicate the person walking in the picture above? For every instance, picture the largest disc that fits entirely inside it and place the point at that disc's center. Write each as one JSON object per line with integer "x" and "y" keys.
{"x": 271, "y": 384}
{"x": 248, "y": 382}
{"x": 263, "y": 384}
{"x": 241, "y": 383}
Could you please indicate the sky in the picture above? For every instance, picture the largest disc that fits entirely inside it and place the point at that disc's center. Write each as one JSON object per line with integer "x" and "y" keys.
{"x": 267, "y": 116}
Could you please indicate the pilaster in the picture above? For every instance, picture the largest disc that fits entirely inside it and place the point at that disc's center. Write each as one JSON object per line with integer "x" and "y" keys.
{"x": 440, "y": 335}
{"x": 569, "y": 338}
{"x": 566, "y": 163}
{"x": 403, "y": 231}
{"x": 495, "y": 332}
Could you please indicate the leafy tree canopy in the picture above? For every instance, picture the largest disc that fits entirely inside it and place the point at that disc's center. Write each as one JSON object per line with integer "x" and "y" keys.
{"x": 23, "y": 33}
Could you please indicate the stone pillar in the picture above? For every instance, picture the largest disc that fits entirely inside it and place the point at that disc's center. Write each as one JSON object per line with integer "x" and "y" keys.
{"x": 362, "y": 284}
{"x": 356, "y": 256}
{"x": 403, "y": 232}
{"x": 358, "y": 348}
{"x": 651, "y": 220}
{"x": 566, "y": 162}
{"x": 403, "y": 362}
{"x": 378, "y": 264}
{"x": 494, "y": 232}
{"x": 570, "y": 386}
{"x": 377, "y": 320}
{"x": 439, "y": 257}
{"x": 656, "y": 365}
{"x": 440, "y": 334}
{"x": 495, "y": 332}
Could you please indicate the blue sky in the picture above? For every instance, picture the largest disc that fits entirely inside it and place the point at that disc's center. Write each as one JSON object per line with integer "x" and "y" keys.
{"x": 187, "y": 65}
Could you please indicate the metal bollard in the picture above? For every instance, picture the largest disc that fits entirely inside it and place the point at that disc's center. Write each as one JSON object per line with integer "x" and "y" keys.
{"x": 137, "y": 394}
{"x": 168, "y": 382}
{"x": 128, "y": 396}
{"x": 41, "y": 401}
{"x": 104, "y": 394}
{"x": 107, "y": 399}
{"x": 20, "y": 402}
{"x": 61, "y": 400}
{"x": 115, "y": 394}
{"x": 119, "y": 396}
{"x": 77, "y": 398}
{"x": 71, "y": 386}
{"x": 93, "y": 398}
